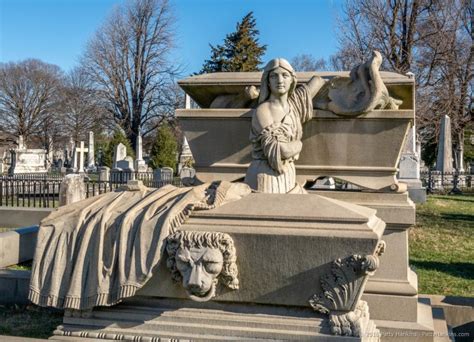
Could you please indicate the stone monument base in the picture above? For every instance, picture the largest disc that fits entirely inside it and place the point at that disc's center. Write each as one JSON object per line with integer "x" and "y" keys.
{"x": 158, "y": 319}
{"x": 416, "y": 191}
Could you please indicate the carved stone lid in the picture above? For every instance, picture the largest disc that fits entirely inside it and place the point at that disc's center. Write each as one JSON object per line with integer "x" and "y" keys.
{"x": 306, "y": 211}
{"x": 204, "y": 88}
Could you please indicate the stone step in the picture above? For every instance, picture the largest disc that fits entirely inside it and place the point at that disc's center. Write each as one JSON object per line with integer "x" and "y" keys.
{"x": 213, "y": 322}
{"x": 441, "y": 332}
{"x": 213, "y": 317}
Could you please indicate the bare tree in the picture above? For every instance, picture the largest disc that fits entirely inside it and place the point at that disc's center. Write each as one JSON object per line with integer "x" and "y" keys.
{"x": 28, "y": 96}
{"x": 81, "y": 107}
{"x": 128, "y": 60}
{"x": 306, "y": 62}
{"x": 430, "y": 38}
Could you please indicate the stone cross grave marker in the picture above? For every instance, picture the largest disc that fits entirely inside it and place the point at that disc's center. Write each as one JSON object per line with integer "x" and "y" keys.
{"x": 80, "y": 150}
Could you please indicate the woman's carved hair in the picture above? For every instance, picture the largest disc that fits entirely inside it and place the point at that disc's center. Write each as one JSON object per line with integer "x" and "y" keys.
{"x": 192, "y": 239}
{"x": 264, "y": 83}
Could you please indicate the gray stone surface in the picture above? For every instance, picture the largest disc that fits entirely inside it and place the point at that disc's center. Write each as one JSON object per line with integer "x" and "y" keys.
{"x": 126, "y": 164}
{"x": 16, "y": 217}
{"x": 166, "y": 174}
{"x": 184, "y": 320}
{"x": 72, "y": 189}
{"x": 104, "y": 173}
{"x": 279, "y": 236}
{"x": 17, "y": 246}
{"x": 14, "y": 287}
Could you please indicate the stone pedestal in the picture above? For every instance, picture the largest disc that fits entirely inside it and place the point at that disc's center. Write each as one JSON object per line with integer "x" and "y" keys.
{"x": 392, "y": 293}
{"x": 104, "y": 173}
{"x": 73, "y": 189}
{"x": 296, "y": 262}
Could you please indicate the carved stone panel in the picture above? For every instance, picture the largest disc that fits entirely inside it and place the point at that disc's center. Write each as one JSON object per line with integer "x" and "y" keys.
{"x": 202, "y": 260}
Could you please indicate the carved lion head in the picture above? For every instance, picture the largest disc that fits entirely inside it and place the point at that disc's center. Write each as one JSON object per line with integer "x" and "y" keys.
{"x": 200, "y": 260}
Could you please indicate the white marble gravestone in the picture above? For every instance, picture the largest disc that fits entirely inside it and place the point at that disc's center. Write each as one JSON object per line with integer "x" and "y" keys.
{"x": 120, "y": 153}
{"x": 409, "y": 168}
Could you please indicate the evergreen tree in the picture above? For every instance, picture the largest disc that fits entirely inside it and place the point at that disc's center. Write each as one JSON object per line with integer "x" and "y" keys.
{"x": 108, "y": 151}
{"x": 241, "y": 50}
{"x": 165, "y": 149}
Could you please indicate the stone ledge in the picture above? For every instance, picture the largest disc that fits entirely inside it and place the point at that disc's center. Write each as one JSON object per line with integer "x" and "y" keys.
{"x": 14, "y": 286}
{"x": 17, "y": 246}
{"x": 14, "y": 217}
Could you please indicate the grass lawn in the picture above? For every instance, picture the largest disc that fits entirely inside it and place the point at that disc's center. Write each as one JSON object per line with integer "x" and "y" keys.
{"x": 29, "y": 321}
{"x": 442, "y": 245}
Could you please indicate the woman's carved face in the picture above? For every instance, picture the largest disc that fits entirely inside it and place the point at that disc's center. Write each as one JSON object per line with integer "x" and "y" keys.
{"x": 280, "y": 81}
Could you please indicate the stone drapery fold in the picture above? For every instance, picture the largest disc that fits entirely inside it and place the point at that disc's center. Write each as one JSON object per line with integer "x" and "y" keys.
{"x": 101, "y": 250}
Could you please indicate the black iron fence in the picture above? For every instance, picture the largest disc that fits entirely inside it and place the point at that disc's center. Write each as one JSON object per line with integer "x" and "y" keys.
{"x": 447, "y": 182}
{"x": 29, "y": 193}
{"x": 42, "y": 190}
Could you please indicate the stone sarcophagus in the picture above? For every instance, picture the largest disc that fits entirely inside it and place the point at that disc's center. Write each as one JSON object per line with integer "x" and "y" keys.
{"x": 363, "y": 149}
{"x": 260, "y": 268}
{"x": 232, "y": 261}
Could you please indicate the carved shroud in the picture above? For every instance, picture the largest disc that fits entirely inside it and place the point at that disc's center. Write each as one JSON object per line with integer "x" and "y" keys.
{"x": 98, "y": 251}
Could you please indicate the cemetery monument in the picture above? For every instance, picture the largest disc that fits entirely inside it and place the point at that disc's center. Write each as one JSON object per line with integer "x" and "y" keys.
{"x": 140, "y": 164}
{"x": 409, "y": 168}
{"x": 263, "y": 259}
{"x": 444, "y": 160}
{"x": 26, "y": 160}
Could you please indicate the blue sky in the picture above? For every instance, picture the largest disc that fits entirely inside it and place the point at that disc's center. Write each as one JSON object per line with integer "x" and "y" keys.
{"x": 57, "y": 31}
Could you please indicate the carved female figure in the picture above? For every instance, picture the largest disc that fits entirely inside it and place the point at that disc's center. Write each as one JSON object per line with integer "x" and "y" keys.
{"x": 277, "y": 130}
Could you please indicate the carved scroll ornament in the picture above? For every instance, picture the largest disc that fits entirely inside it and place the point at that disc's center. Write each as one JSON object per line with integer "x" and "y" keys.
{"x": 342, "y": 288}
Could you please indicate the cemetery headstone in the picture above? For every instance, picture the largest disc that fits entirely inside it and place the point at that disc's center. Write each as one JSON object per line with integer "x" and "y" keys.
{"x": 104, "y": 173}
{"x": 444, "y": 160}
{"x": 126, "y": 164}
{"x": 166, "y": 174}
{"x": 409, "y": 168}
{"x": 120, "y": 153}
{"x": 72, "y": 189}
